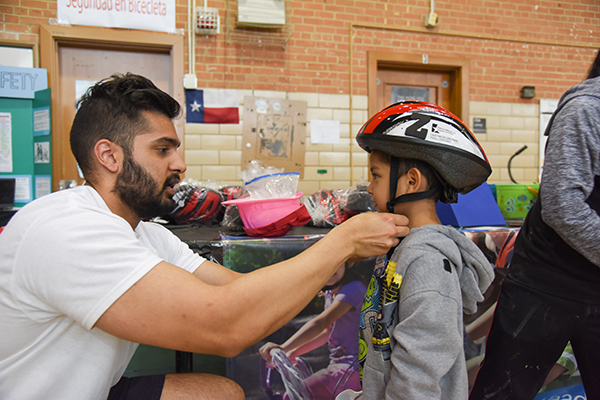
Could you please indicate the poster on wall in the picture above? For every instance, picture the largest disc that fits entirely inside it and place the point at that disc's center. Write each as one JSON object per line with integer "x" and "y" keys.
{"x": 274, "y": 132}
{"x": 6, "y": 164}
{"x": 152, "y": 15}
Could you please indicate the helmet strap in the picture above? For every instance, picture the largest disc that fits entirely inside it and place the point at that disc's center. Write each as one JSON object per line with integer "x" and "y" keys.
{"x": 394, "y": 168}
{"x": 405, "y": 198}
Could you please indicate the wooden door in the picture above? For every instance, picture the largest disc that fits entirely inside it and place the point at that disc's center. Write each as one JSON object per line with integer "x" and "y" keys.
{"x": 78, "y": 57}
{"x": 394, "y": 76}
{"x": 82, "y": 67}
{"x": 395, "y": 85}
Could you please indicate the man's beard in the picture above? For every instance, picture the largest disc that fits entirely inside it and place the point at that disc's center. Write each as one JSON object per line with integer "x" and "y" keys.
{"x": 141, "y": 192}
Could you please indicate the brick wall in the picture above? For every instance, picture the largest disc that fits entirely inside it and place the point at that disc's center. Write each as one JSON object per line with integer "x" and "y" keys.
{"x": 510, "y": 44}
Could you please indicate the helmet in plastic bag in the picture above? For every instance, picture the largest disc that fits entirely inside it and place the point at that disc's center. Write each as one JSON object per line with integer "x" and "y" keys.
{"x": 228, "y": 193}
{"x": 359, "y": 200}
{"x": 231, "y": 192}
{"x": 326, "y": 207}
{"x": 196, "y": 204}
{"x": 430, "y": 133}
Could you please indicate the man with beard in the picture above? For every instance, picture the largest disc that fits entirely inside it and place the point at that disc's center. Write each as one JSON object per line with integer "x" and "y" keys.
{"x": 83, "y": 279}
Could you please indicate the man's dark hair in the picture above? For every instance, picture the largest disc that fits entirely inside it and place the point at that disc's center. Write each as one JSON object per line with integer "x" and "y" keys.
{"x": 594, "y": 70}
{"x": 113, "y": 109}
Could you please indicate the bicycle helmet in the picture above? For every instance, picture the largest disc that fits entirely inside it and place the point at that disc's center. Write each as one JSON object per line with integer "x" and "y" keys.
{"x": 196, "y": 204}
{"x": 430, "y": 133}
{"x": 228, "y": 193}
{"x": 326, "y": 208}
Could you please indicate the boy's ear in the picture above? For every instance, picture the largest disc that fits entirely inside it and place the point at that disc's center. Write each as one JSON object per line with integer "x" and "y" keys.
{"x": 414, "y": 181}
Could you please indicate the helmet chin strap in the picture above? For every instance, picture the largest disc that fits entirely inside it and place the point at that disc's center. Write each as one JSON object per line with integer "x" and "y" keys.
{"x": 405, "y": 198}
{"x": 394, "y": 167}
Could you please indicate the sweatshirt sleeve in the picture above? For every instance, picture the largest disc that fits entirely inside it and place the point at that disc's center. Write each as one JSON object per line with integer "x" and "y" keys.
{"x": 428, "y": 339}
{"x": 568, "y": 178}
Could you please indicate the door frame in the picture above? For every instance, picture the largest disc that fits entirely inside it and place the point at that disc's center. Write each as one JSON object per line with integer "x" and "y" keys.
{"x": 26, "y": 45}
{"x": 457, "y": 67}
{"x": 52, "y": 37}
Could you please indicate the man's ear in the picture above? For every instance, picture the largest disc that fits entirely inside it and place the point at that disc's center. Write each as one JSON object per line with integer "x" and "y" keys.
{"x": 109, "y": 155}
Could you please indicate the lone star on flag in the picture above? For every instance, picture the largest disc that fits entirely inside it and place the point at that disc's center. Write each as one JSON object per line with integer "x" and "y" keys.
{"x": 195, "y": 106}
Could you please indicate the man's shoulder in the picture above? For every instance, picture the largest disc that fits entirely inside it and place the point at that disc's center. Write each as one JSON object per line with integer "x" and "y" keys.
{"x": 63, "y": 210}
{"x": 150, "y": 228}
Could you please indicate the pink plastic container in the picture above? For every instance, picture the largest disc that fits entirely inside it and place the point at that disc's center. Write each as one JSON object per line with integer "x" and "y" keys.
{"x": 256, "y": 213}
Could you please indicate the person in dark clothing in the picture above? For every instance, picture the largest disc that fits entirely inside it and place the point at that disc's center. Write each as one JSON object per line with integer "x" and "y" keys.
{"x": 552, "y": 293}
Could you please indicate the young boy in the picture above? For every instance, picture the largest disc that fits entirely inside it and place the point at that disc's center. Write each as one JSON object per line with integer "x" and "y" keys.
{"x": 411, "y": 328}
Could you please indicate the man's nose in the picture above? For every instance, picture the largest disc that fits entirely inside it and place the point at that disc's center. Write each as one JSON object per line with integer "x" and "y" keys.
{"x": 178, "y": 164}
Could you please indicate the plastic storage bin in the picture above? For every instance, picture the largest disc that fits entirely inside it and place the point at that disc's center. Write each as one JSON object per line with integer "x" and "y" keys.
{"x": 515, "y": 200}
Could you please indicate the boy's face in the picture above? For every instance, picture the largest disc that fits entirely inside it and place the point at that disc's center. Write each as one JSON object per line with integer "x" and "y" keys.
{"x": 379, "y": 188}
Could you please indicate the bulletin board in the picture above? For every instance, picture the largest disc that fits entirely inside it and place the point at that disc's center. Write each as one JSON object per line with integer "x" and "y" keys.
{"x": 274, "y": 132}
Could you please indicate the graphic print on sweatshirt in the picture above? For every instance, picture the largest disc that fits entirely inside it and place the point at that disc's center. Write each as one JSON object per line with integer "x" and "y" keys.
{"x": 378, "y": 311}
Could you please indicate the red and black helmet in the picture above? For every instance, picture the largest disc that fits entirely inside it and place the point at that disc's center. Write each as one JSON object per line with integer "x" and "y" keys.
{"x": 228, "y": 193}
{"x": 326, "y": 208}
{"x": 196, "y": 204}
{"x": 430, "y": 133}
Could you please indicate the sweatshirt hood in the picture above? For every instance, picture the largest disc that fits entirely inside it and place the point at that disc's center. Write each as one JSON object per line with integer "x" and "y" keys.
{"x": 474, "y": 270}
{"x": 588, "y": 87}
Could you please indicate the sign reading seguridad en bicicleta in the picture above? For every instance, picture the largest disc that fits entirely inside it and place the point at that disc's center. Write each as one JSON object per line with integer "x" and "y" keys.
{"x": 154, "y": 15}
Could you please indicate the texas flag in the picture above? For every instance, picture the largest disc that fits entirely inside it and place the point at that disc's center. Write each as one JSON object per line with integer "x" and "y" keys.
{"x": 212, "y": 106}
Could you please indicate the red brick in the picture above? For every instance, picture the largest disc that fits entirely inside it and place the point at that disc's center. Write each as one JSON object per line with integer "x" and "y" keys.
{"x": 319, "y": 40}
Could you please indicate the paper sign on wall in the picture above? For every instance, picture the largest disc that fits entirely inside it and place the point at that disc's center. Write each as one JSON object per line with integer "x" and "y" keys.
{"x": 324, "y": 131}
{"x": 41, "y": 121}
{"x": 43, "y": 186}
{"x": 6, "y": 163}
{"x": 41, "y": 153}
{"x": 152, "y": 15}
{"x": 22, "y": 83}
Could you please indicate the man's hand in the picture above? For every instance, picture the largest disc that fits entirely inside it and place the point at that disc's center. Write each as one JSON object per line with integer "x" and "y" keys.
{"x": 372, "y": 234}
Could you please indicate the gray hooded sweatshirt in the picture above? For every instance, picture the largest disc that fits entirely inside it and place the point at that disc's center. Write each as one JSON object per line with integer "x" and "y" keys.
{"x": 412, "y": 317}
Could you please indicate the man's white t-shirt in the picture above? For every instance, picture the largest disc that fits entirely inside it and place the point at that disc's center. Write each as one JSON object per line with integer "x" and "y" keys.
{"x": 64, "y": 260}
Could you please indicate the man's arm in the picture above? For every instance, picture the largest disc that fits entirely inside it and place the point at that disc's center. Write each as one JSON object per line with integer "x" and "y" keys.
{"x": 223, "y": 313}
{"x": 215, "y": 274}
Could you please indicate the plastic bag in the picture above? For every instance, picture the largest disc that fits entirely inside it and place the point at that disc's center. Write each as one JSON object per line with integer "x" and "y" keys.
{"x": 280, "y": 185}
{"x": 231, "y": 219}
{"x": 200, "y": 201}
{"x": 256, "y": 169}
{"x": 329, "y": 208}
{"x": 195, "y": 204}
{"x": 269, "y": 182}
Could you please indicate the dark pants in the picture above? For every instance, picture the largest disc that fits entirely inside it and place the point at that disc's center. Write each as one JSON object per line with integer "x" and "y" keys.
{"x": 138, "y": 388}
{"x": 528, "y": 334}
